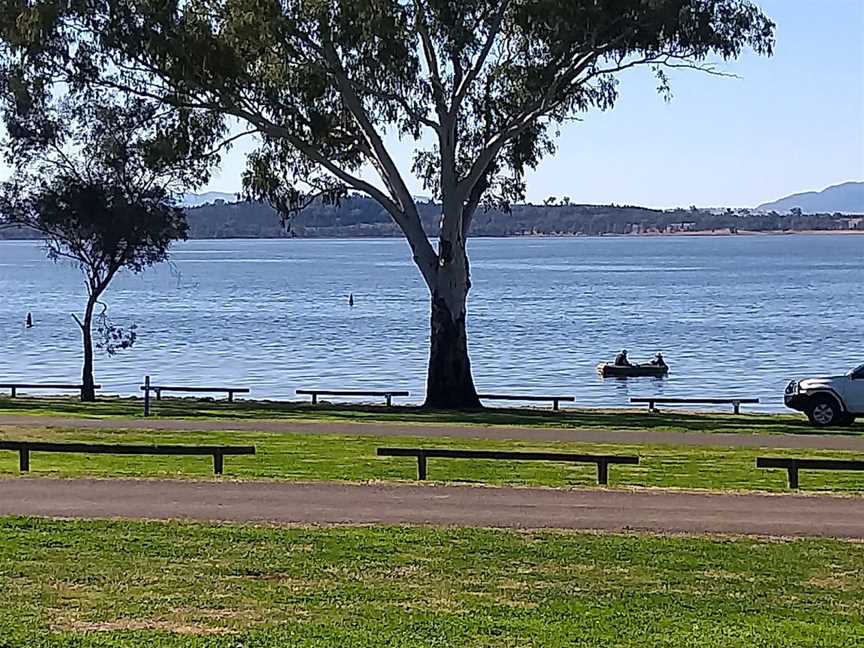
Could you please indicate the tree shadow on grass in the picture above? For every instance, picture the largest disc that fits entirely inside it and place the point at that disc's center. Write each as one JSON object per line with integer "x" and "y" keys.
{"x": 586, "y": 419}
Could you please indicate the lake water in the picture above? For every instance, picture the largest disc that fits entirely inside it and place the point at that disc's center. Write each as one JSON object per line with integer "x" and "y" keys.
{"x": 732, "y": 315}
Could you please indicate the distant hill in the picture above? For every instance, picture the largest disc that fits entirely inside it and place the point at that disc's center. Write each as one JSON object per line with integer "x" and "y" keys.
{"x": 208, "y": 198}
{"x": 358, "y": 216}
{"x": 847, "y": 198}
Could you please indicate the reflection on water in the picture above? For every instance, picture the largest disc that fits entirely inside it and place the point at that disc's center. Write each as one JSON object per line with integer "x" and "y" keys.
{"x": 733, "y": 315}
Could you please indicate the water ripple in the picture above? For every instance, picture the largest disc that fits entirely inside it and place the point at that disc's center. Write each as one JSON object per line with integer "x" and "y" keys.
{"x": 733, "y": 315}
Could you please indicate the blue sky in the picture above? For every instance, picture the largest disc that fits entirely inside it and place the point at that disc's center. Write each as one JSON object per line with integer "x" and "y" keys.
{"x": 790, "y": 123}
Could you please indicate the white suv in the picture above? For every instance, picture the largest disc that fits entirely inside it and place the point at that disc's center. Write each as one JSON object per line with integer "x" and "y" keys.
{"x": 829, "y": 401}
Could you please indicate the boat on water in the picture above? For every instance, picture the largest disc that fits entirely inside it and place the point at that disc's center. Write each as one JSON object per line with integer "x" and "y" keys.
{"x": 611, "y": 370}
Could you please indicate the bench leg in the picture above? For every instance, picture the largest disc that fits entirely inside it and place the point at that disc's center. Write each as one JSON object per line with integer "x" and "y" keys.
{"x": 14, "y": 392}
{"x": 314, "y": 399}
{"x": 555, "y": 405}
{"x": 602, "y": 473}
{"x": 389, "y": 399}
{"x": 421, "y": 467}
{"x": 146, "y": 395}
{"x": 793, "y": 477}
{"x": 24, "y": 460}
{"x": 230, "y": 396}
{"x": 737, "y": 407}
{"x": 158, "y": 394}
{"x": 218, "y": 462}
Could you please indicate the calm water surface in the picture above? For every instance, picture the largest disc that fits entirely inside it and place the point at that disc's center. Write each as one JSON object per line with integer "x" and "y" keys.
{"x": 733, "y": 315}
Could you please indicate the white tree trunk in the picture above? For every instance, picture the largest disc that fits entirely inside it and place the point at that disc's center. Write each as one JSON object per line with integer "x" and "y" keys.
{"x": 450, "y": 384}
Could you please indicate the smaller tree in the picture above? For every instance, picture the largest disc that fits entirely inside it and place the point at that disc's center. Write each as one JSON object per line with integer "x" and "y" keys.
{"x": 96, "y": 177}
{"x": 103, "y": 230}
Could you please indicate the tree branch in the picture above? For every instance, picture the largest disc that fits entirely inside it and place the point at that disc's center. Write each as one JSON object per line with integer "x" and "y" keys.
{"x": 264, "y": 125}
{"x": 229, "y": 141}
{"x": 431, "y": 60}
{"x": 531, "y": 112}
{"x": 494, "y": 29}
{"x": 354, "y": 104}
{"x": 410, "y": 110}
{"x": 409, "y": 217}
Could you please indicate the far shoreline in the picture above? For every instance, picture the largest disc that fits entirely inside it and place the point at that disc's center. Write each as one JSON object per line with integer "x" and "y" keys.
{"x": 685, "y": 234}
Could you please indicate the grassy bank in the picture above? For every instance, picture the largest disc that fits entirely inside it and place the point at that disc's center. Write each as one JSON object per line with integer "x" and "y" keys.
{"x": 112, "y": 584}
{"x": 326, "y": 457}
{"x": 589, "y": 419}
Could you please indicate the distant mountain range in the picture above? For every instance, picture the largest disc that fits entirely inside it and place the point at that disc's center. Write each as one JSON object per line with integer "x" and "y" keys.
{"x": 847, "y": 198}
{"x": 221, "y": 215}
{"x": 358, "y": 216}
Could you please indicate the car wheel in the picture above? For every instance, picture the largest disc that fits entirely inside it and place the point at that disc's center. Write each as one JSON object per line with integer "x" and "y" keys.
{"x": 824, "y": 411}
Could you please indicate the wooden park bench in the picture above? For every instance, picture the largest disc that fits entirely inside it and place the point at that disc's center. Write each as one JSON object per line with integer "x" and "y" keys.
{"x": 422, "y": 454}
{"x": 792, "y": 466}
{"x": 24, "y": 448}
{"x": 195, "y": 390}
{"x": 315, "y": 393}
{"x": 528, "y": 398}
{"x": 14, "y": 387}
{"x": 734, "y": 402}
{"x": 148, "y": 387}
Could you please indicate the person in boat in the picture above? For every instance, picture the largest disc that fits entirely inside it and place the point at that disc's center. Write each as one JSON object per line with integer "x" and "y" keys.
{"x": 658, "y": 360}
{"x": 29, "y": 321}
{"x": 621, "y": 359}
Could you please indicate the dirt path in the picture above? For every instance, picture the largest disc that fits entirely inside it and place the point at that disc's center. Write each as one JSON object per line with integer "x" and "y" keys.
{"x": 539, "y": 434}
{"x": 335, "y": 503}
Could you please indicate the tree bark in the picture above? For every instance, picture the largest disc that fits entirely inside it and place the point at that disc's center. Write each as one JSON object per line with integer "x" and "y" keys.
{"x": 449, "y": 383}
{"x": 88, "y": 390}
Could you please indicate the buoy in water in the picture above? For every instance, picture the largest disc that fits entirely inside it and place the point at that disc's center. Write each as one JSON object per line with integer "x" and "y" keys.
{"x": 351, "y": 299}
{"x": 29, "y": 321}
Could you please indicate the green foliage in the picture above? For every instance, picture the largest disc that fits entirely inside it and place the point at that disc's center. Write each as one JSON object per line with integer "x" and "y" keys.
{"x": 97, "y": 225}
{"x": 320, "y": 81}
{"x": 95, "y": 173}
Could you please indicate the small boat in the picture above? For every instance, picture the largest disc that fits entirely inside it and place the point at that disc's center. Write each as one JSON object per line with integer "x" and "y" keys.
{"x": 609, "y": 370}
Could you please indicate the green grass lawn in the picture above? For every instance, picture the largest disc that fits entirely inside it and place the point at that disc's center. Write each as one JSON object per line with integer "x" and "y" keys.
{"x": 324, "y": 457}
{"x": 589, "y": 419}
{"x": 113, "y": 584}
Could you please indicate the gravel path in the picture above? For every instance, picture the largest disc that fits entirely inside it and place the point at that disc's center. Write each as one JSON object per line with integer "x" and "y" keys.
{"x": 337, "y": 503}
{"x": 626, "y": 437}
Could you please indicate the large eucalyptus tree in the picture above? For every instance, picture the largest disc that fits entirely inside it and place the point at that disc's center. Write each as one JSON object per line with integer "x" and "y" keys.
{"x": 322, "y": 82}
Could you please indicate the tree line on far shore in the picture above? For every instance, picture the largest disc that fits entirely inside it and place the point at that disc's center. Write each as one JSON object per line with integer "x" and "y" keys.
{"x": 357, "y": 216}
{"x": 360, "y": 216}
